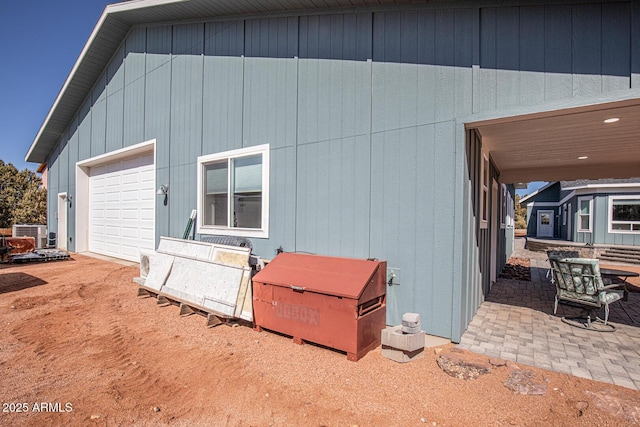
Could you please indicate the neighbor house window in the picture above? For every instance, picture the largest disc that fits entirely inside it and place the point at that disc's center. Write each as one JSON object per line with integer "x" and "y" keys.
{"x": 585, "y": 221}
{"x": 233, "y": 192}
{"x": 624, "y": 214}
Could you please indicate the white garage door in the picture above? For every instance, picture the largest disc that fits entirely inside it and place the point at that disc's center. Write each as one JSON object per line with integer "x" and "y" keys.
{"x": 122, "y": 207}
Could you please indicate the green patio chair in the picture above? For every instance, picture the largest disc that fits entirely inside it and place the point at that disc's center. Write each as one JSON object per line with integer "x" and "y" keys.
{"x": 559, "y": 254}
{"x": 578, "y": 282}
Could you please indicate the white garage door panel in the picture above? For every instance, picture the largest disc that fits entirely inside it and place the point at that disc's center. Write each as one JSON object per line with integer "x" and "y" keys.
{"x": 122, "y": 207}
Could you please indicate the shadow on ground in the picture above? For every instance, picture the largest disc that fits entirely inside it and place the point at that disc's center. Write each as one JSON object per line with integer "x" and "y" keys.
{"x": 12, "y": 282}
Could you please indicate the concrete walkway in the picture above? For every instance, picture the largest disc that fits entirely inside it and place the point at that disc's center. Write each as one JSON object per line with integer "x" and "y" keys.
{"x": 516, "y": 322}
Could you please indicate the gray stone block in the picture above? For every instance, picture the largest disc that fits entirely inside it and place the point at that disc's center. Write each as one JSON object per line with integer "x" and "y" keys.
{"x": 394, "y": 337}
{"x": 411, "y": 320}
{"x": 410, "y": 329}
{"x": 401, "y": 356}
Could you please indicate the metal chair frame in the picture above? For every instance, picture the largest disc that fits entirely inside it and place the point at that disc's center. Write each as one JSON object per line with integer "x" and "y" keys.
{"x": 578, "y": 281}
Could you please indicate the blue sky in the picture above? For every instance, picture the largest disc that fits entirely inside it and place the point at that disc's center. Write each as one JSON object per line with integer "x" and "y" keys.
{"x": 41, "y": 41}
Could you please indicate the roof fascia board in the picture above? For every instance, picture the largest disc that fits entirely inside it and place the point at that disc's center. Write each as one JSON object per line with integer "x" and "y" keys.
{"x": 607, "y": 191}
{"x": 567, "y": 198}
{"x": 138, "y": 4}
{"x": 538, "y": 191}
{"x": 604, "y": 186}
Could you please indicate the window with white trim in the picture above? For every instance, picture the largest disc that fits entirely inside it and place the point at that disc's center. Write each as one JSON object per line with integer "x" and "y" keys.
{"x": 233, "y": 192}
{"x": 624, "y": 214}
{"x": 585, "y": 217}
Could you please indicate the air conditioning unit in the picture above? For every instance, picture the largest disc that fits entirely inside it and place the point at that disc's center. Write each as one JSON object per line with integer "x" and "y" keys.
{"x": 37, "y": 231}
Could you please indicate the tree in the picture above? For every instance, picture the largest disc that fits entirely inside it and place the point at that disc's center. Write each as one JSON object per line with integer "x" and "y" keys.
{"x": 23, "y": 200}
{"x": 520, "y": 215}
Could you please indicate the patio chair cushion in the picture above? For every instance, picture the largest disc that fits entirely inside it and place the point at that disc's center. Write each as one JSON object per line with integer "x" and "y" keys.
{"x": 582, "y": 278}
{"x": 578, "y": 280}
{"x": 560, "y": 254}
{"x": 607, "y": 297}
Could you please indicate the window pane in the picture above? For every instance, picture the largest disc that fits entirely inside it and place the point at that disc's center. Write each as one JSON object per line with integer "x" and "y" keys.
{"x": 247, "y": 191}
{"x": 485, "y": 205}
{"x": 584, "y": 207}
{"x": 621, "y": 227}
{"x": 216, "y": 203}
{"x": 626, "y": 210}
{"x": 584, "y": 222}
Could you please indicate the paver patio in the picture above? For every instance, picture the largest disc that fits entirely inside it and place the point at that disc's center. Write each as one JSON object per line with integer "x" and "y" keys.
{"x": 516, "y": 323}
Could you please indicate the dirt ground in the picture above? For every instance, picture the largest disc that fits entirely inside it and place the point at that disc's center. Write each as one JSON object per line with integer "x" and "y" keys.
{"x": 78, "y": 347}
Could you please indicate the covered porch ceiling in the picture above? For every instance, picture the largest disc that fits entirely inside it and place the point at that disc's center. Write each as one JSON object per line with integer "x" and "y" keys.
{"x": 566, "y": 144}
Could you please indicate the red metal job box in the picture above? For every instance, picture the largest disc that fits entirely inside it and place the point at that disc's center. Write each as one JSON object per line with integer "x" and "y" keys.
{"x": 336, "y": 302}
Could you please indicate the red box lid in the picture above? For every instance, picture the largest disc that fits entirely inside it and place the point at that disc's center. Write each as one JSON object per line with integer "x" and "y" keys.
{"x": 345, "y": 277}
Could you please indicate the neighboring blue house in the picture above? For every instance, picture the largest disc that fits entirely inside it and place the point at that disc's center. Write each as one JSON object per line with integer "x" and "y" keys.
{"x": 605, "y": 211}
{"x": 391, "y": 129}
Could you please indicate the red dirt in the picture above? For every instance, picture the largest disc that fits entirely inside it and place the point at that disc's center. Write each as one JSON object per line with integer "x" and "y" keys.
{"x": 75, "y": 334}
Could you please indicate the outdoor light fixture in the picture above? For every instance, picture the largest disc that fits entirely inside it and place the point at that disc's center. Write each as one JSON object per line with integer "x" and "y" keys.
{"x": 611, "y": 120}
{"x": 583, "y": 157}
{"x": 164, "y": 191}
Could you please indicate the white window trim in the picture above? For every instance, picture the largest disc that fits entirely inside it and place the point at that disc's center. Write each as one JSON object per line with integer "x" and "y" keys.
{"x": 503, "y": 207}
{"x": 570, "y": 219}
{"x": 610, "y": 214}
{"x": 229, "y": 231}
{"x": 511, "y": 211}
{"x": 484, "y": 192}
{"x": 579, "y": 219}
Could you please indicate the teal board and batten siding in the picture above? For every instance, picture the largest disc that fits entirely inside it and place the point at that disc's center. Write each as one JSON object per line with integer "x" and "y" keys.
{"x": 476, "y": 241}
{"x": 361, "y": 110}
{"x": 530, "y": 55}
{"x": 333, "y": 137}
{"x": 422, "y": 80}
{"x": 600, "y": 222}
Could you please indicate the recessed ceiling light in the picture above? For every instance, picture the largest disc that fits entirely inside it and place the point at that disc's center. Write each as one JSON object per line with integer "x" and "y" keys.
{"x": 583, "y": 157}
{"x": 612, "y": 120}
